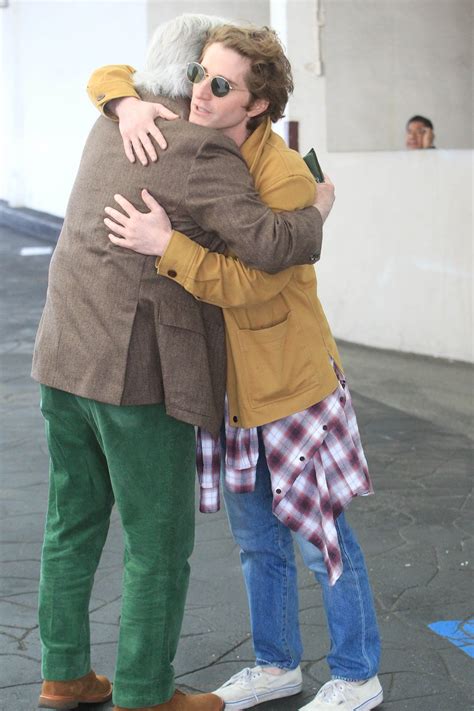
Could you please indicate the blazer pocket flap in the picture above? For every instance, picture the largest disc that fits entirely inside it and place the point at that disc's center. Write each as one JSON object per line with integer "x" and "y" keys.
{"x": 185, "y": 318}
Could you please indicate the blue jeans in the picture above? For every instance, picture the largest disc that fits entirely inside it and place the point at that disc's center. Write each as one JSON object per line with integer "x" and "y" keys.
{"x": 268, "y": 564}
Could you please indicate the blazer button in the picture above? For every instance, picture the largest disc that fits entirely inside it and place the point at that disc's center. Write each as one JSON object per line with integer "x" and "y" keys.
{"x": 100, "y": 97}
{"x": 314, "y": 258}
{"x": 172, "y": 273}
{"x": 235, "y": 418}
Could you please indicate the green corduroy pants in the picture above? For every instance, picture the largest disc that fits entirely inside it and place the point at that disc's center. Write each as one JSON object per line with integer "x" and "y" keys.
{"x": 144, "y": 461}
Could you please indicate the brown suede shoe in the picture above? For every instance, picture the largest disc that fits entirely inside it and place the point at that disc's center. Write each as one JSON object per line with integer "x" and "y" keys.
{"x": 184, "y": 702}
{"x": 65, "y": 695}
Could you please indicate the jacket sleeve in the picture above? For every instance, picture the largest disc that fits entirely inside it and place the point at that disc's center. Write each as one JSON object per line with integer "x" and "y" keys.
{"x": 221, "y": 198}
{"x": 215, "y": 278}
{"x": 225, "y": 281}
{"x": 110, "y": 82}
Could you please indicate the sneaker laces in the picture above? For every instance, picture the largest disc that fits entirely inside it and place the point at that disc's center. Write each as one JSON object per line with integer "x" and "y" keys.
{"x": 245, "y": 677}
{"x": 336, "y": 691}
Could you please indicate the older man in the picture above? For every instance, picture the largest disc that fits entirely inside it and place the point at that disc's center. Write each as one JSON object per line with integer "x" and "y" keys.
{"x": 128, "y": 363}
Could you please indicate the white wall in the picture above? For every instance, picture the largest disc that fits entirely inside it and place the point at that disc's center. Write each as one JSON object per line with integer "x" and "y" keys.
{"x": 397, "y": 258}
{"x": 50, "y": 49}
{"x": 396, "y": 269}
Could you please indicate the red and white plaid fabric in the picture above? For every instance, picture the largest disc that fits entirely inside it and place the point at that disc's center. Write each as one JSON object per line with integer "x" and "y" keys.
{"x": 316, "y": 464}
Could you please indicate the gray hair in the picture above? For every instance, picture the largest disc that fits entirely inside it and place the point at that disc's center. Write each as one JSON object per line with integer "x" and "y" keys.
{"x": 173, "y": 45}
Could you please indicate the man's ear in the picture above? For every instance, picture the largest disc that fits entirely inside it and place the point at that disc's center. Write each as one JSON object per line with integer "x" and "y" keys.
{"x": 258, "y": 107}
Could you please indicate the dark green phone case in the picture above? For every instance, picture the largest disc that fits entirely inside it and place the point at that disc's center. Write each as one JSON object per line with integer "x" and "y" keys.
{"x": 312, "y": 162}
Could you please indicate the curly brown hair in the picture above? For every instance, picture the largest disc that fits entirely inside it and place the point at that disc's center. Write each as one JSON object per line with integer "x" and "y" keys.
{"x": 270, "y": 75}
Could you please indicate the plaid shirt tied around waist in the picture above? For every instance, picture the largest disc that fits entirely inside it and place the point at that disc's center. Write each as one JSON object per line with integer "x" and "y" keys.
{"x": 316, "y": 462}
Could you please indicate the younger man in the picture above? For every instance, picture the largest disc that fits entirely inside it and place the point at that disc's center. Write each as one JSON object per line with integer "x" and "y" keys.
{"x": 293, "y": 453}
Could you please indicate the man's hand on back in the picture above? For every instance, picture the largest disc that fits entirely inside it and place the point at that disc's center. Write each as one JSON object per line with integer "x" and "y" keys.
{"x": 146, "y": 233}
{"x": 137, "y": 124}
{"x": 325, "y": 197}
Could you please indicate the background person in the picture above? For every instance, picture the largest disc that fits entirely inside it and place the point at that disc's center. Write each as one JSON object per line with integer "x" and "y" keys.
{"x": 419, "y": 133}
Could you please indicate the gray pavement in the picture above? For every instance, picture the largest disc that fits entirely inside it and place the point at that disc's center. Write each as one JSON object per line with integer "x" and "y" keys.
{"x": 415, "y": 416}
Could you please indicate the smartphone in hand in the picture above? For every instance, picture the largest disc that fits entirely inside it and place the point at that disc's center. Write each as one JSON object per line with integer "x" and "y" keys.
{"x": 312, "y": 162}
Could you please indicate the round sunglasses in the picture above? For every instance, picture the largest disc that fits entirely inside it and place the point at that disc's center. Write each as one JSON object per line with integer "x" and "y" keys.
{"x": 220, "y": 86}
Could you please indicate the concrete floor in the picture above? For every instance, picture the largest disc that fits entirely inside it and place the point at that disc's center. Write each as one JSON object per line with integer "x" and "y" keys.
{"x": 415, "y": 416}
{"x": 436, "y": 390}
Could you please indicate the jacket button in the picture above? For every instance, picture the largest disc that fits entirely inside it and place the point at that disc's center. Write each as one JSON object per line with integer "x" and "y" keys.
{"x": 235, "y": 418}
{"x": 172, "y": 273}
{"x": 100, "y": 97}
{"x": 314, "y": 257}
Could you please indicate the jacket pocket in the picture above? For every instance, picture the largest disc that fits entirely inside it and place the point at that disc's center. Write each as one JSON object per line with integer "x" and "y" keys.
{"x": 276, "y": 362}
{"x": 186, "y": 316}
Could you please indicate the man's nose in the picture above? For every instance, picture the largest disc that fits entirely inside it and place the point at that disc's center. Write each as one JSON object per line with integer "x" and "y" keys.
{"x": 203, "y": 89}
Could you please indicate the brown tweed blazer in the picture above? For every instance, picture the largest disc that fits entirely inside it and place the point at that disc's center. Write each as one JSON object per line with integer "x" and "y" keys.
{"x": 114, "y": 331}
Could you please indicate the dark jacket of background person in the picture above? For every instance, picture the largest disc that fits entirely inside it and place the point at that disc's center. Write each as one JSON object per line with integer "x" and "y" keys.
{"x": 114, "y": 331}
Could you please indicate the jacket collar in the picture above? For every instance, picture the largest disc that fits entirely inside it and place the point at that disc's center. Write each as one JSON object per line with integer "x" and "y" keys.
{"x": 252, "y": 148}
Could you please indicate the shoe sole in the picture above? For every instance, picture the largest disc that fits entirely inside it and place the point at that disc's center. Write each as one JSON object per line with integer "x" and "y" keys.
{"x": 366, "y": 705}
{"x": 62, "y": 704}
{"x": 250, "y": 701}
{"x": 371, "y": 703}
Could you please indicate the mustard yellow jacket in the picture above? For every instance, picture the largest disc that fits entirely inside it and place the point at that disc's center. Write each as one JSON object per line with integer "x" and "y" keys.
{"x": 278, "y": 338}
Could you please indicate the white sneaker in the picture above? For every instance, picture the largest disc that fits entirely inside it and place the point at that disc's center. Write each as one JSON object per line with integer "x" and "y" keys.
{"x": 254, "y": 686}
{"x": 347, "y": 696}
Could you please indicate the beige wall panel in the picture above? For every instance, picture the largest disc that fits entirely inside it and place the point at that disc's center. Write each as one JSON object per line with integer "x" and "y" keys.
{"x": 387, "y": 60}
{"x": 396, "y": 266}
{"x": 255, "y": 11}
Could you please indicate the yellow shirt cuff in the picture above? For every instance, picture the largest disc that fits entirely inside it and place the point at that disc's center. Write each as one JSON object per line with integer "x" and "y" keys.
{"x": 179, "y": 257}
